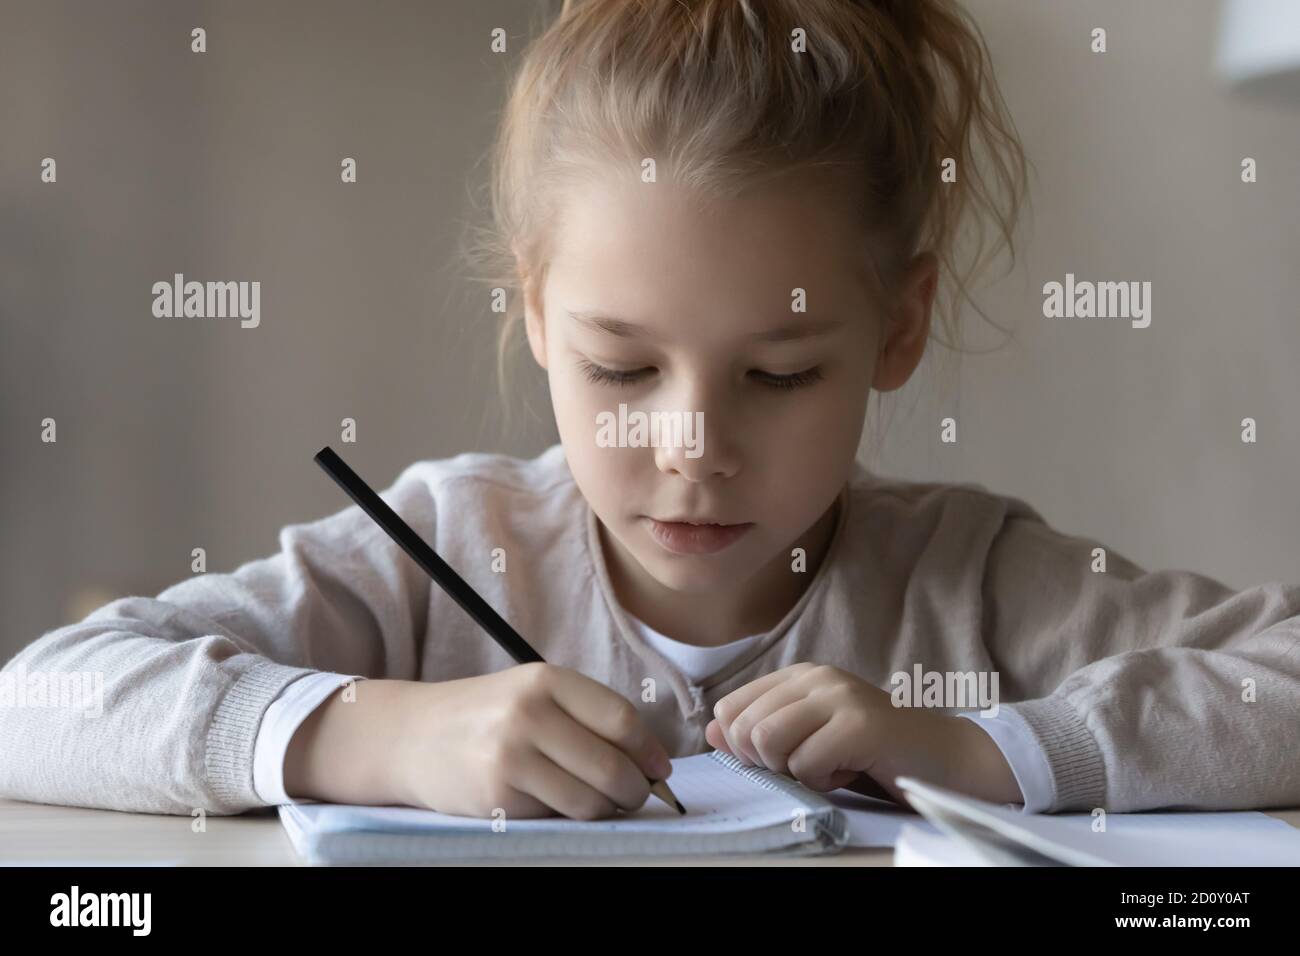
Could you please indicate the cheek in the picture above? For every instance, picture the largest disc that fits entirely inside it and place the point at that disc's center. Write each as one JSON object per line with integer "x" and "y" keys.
{"x": 576, "y": 403}
{"x": 813, "y": 430}
{"x": 806, "y": 451}
{"x": 606, "y": 476}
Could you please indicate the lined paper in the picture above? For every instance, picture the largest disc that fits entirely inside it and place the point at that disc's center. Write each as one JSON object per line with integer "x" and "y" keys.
{"x": 717, "y": 799}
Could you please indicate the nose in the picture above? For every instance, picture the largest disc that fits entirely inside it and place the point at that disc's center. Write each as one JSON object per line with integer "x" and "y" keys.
{"x": 706, "y": 451}
{"x": 709, "y": 464}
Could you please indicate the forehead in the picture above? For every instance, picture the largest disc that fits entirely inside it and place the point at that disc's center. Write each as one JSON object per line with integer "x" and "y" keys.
{"x": 643, "y": 248}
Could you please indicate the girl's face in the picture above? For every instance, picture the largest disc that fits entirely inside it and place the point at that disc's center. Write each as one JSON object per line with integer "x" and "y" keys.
{"x": 664, "y": 303}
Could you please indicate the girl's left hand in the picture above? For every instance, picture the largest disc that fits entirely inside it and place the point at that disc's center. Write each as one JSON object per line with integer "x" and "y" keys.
{"x": 828, "y": 728}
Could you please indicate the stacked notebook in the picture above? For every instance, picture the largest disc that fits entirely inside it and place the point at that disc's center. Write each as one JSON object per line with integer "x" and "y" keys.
{"x": 962, "y": 831}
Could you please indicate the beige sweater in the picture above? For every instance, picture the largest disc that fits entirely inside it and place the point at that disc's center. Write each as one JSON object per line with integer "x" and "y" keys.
{"x": 1144, "y": 689}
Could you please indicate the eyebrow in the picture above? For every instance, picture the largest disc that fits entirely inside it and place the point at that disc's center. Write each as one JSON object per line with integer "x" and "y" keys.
{"x": 630, "y": 330}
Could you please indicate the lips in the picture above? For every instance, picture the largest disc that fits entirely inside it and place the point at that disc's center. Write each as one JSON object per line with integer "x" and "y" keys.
{"x": 695, "y": 521}
{"x": 692, "y": 537}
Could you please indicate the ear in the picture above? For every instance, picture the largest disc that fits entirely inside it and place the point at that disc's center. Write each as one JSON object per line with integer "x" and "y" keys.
{"x": 534, "y": 316}
{"x": 907, "y": 330}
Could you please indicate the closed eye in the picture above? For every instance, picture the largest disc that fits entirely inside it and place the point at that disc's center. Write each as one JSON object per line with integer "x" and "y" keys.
{"x": 793, "y": 380}
{"x": 600, "y": 375}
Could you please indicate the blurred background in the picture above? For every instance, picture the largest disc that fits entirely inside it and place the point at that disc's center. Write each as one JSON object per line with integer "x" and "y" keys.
{"x": 176, "y": 434}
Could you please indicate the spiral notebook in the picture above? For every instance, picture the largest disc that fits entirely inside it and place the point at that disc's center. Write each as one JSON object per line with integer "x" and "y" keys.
{"x": 731, "y": 808}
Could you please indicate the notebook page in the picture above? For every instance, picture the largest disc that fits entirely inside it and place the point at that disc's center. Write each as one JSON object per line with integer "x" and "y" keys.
{"x": 717, "y": 800}
{"x": 1176, "y": 838}
{"x": 1169, "y": 838}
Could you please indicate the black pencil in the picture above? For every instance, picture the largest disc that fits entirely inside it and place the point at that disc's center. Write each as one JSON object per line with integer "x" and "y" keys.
{"x": 496, "y": 626}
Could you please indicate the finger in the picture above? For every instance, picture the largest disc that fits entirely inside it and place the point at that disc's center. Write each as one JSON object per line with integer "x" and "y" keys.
{"x": 740, "y": 733}
{"x": 780, "y": 733}
{"x": 713, "y": 736}
{"x": 611, "y": 716}
{"x": 538, "y": 776}
{"x": 735, "y": 702}
{"x": 731, "y": 706}
{"x": 590, "y": 758}
{"x": 521, "y": 806}
{"x": 815, "y": 762}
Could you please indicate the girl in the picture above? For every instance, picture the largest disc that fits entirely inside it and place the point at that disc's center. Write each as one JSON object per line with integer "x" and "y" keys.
{"x": 733, "y": 210}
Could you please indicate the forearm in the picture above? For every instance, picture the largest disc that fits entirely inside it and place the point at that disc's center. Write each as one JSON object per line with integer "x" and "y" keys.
{"x": 154, "y": 720}
{"x": 949, "y": 752}
{"x": 980, "y": 768}
{"x": 1176, "y": 727}
{"x": 349, "y": 749}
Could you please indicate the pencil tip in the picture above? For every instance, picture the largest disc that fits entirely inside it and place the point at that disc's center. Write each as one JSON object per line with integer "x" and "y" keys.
{"x": 680, "y": 808}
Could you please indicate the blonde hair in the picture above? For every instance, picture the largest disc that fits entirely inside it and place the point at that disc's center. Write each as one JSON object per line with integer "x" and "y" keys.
{"x": 886, "y": 91}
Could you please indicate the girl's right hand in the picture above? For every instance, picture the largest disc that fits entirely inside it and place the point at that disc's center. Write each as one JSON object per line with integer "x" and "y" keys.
{"x": 532, "y": 741}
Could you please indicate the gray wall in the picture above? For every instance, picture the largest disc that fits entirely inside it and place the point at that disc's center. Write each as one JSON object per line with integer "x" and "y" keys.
{"x": 1133, "y": 436}
{"x": 177, "y": 434}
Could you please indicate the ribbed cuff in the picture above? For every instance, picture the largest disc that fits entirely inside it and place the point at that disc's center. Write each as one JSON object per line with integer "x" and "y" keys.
{"x": 1078, "y": 772}
{"x": 232, "y": 735}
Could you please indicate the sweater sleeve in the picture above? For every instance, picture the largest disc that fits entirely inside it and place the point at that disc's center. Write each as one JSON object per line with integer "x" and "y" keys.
{"x": 176, "y": 686}
{"x": 1146, "y": 690}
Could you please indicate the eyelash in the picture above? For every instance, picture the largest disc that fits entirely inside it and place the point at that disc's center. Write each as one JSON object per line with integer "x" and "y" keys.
{"x": 599, "y": 375}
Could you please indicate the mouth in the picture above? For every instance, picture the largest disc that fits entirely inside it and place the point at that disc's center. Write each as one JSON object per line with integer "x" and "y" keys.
{"x": 695, "y": 537}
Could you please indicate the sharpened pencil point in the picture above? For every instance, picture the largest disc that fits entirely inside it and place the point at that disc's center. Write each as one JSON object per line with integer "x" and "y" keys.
{"x": 680, "y": 808}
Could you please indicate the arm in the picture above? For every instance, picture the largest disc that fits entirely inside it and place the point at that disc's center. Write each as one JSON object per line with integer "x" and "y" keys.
{"x": 187, "y": 676}
{"x": 1144, "y": 689}
{"x": 348, "y": 748}
{"x": 1006, "y": 761}
{"x": 281, "y": 723}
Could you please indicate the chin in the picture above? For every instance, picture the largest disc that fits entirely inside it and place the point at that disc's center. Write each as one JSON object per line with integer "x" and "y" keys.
{"x": 685, "y": 581}
{"x": 693, "y": 574}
